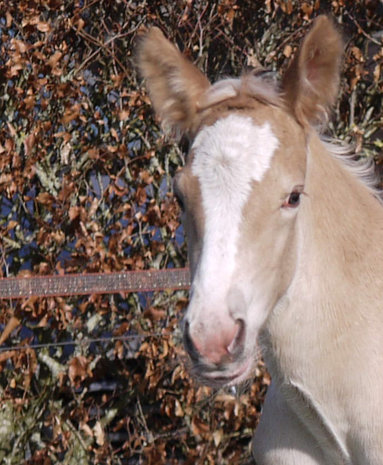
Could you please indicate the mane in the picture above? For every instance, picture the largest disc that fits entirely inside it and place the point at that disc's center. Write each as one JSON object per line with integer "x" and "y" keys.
{"x": 359, "y": 165}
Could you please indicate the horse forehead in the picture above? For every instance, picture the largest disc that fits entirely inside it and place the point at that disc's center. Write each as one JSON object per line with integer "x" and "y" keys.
{"x": 228, "y": 157}
{"x": 235, "y": 149}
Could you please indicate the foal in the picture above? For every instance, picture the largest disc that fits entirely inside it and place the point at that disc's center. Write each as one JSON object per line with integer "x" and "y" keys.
{"x": 281, "y": 238}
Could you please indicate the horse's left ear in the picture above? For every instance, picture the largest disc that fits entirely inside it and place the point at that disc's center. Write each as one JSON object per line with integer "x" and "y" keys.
{"x": 311, "y": 82}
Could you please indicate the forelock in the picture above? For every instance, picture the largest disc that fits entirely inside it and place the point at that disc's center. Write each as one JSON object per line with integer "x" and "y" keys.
{"x": 245, "y": 89}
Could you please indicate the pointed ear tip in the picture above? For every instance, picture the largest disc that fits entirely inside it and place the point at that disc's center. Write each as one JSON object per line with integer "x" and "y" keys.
{"x": 324, "y": 20}
{"x": 312, "y": 79}
{"x": 325, "y": 23}
{"x": 324, "y": 36}
{"x": 153, "y": 33}
{"x": 146, "y": 41}
{"x": 146, "y": 35}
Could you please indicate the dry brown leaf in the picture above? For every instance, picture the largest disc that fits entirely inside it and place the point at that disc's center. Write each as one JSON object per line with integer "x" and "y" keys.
{"x": 45, "y": 199}
{"x": 78, "y": 369}
{"x": 99, "y": 433}
{"x": 19, "y": 46}
{"x": 12, "y": 324}
{"x": 86, "y": 428}
{"x": 124, "y": 115}
{"x": 9, "y": 19}
{"x": 287, "y": 51}
{"x": 71, "y": 113}
{"x": 55, "y": 58}
{"x": 178, "y": 411}
{"x": 217, "y": 437}
{"x": 29, "y": 142}
{"x": 199, "y": 427}
{"x": 7, "y": 355}
{"x": 43, "y": 26}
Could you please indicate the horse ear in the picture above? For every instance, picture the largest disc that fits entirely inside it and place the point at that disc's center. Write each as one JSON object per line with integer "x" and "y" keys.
{"x": 174, "y": 83}
{"x": 311, "y": 82}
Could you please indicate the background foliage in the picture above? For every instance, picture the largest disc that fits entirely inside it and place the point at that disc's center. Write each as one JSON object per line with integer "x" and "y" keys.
{"x": 85, "y": 184}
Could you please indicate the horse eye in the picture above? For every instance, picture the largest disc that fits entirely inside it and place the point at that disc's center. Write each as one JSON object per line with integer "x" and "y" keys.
{"x": 293, "y": 200}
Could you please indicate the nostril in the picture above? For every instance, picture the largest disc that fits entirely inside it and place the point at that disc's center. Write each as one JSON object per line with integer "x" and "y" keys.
{"x": 237, "y": 344}
{"x": 189, "y": 344}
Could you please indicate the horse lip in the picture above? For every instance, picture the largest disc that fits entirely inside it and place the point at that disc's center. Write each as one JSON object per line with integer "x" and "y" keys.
{"x": 222, "y": 375}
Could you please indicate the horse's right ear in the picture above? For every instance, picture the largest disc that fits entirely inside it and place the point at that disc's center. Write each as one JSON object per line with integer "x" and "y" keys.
{"x": 174, "y": 83}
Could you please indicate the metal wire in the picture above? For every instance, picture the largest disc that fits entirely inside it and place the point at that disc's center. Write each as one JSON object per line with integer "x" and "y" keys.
{"x": 94, "y": 283}
{"x": 84, "y": 341}
{"x": 91, "y": 283}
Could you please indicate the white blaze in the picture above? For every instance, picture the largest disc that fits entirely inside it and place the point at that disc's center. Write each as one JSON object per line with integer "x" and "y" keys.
{"x": 229, "y": 156}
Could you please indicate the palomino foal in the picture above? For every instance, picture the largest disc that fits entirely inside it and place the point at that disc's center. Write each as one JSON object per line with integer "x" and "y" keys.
{"x": 285, "y": 250}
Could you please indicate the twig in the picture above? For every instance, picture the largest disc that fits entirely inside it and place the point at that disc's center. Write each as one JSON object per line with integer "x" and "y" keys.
{"x": 85, "y": 341}
{"x": 363, "y": 31}
{"x": 149, "y": 434}
{"x": 352, "y": 108}
{"x": 101, "y": 46}
{"x": 77, "y": 434}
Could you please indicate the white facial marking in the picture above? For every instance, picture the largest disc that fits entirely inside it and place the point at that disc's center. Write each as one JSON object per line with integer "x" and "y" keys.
{"x": 229, "y": 156}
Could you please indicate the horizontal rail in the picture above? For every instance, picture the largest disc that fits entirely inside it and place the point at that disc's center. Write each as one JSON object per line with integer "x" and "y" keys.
{"x": 95, "y": 283}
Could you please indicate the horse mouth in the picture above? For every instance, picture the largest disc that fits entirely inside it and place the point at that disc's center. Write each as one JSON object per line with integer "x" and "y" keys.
{"x": 230, "y": 375}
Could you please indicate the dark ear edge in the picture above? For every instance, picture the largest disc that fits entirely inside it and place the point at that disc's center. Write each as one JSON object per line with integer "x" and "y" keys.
{"x": 310, "y": 84}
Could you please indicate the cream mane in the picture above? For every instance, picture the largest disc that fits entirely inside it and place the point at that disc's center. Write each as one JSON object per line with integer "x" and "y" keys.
{"x": 360, "y": 166}
{"x": 252, "y": 85}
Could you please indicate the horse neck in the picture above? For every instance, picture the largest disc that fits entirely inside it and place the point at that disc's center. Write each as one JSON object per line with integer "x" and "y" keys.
{"x": 342, "y": 221}
{"x": 336, "y": 291}
{"x": 339, "y": 270}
